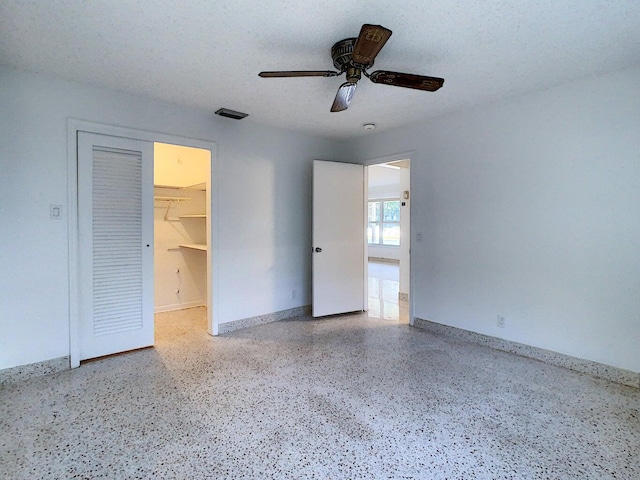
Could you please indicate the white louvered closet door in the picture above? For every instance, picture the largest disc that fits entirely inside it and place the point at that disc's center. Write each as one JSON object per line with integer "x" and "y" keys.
{"x": 115, "y": 216}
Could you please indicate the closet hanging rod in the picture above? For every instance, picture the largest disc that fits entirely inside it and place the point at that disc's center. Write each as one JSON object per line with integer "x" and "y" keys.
{"x": 170, "y": 201}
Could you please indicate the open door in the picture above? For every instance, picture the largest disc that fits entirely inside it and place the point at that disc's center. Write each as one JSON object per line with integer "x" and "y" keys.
{"x": 115, "y": 225}
{"x": 338, "y": 238}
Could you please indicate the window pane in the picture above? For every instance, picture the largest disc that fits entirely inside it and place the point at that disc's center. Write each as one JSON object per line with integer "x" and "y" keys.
{"x": 391, "y": 234}
{"x": 374, "y": 211}
{"x": 373, "y": 233}
{"x": 390, "y": 289}
{"x": 375, "y": 307}
{"x": 392, "y": 211}
{"x": 391, "y": 310}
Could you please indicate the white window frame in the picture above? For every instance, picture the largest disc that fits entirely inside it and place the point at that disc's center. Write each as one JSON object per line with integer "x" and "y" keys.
{"x": 381, "y": 221}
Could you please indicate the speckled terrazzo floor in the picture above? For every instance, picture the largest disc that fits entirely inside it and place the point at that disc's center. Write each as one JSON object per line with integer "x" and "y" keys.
{"x": 346, "y": 397}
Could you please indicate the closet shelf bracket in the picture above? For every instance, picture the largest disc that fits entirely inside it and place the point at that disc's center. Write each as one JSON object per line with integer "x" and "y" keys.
{"x": 170, "y": 201}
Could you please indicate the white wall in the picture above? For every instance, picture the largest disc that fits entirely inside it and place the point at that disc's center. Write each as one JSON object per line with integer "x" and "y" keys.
{"x": 530, "y": 208}
{"x": 264, "y": 211}
{"x": 180, "y": 166}
{"x": 387, "y": 253}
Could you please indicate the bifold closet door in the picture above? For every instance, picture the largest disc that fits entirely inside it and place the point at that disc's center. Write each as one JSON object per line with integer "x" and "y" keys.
{"x": 115, "y": 228}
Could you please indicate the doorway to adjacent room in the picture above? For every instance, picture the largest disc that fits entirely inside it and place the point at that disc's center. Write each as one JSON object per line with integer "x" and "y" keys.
{"x": 388, "y": 240}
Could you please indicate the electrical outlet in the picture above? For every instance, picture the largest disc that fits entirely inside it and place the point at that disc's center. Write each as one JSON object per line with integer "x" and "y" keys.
{"x": 501, "y": 322}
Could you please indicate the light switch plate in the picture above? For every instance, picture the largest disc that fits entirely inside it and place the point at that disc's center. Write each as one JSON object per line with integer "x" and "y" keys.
{"x": 55, "y": 212}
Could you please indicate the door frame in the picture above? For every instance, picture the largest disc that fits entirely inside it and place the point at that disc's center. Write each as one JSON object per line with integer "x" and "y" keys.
{"x": 73, "y": 127}
{"x": 386, "y": 159}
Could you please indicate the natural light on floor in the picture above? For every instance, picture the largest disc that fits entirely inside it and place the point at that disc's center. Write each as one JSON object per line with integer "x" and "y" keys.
{"x": 383, "y": 287}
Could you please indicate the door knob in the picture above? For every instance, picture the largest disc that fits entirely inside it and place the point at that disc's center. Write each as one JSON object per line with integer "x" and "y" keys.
{"x": 318, "y": 249}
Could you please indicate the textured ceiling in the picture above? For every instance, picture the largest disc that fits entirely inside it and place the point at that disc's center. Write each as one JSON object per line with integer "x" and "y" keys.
{"x": 207, "y": 54}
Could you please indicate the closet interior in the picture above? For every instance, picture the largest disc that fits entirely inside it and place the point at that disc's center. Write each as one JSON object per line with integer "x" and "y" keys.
{"x": 181, "y": 227}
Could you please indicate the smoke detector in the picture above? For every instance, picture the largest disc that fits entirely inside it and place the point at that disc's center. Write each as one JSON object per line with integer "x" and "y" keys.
{"x": 369, "y": 126}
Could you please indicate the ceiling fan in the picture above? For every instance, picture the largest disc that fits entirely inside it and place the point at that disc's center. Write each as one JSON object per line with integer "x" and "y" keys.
{"x": 354, "y": 56}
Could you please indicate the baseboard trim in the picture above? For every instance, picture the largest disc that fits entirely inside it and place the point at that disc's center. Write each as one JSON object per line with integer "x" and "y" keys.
{"x": 392, "y": 261}
{"x": 262, "y": 319}
{"x": 600, "y": 370}
{"x": 178, "y": 306}
{"x": 25, "y": 372}
{"x": 38, "y": 369}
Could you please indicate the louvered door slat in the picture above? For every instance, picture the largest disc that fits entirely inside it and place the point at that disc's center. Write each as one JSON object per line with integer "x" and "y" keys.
{"x": 117, "y": 232}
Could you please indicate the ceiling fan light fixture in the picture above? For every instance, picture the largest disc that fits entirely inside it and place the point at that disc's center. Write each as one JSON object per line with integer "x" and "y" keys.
{"x": 225, "y": 112}
{"x": 369, "y": 126}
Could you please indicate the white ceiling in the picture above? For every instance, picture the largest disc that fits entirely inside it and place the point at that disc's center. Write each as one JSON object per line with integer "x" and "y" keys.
{"x": 207, "y": 54}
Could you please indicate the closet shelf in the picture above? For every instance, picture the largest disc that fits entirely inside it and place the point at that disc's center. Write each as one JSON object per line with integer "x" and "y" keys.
{"x": 171, "y": 199}
{"x": 198, "y": 186}
{"x": 193, "y": 216}
{"x": 194, "y": 246}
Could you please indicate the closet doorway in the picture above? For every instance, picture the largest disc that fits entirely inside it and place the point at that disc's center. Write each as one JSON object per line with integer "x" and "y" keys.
{"x": 112, "y": 285}
{"x": 182, "y": 239}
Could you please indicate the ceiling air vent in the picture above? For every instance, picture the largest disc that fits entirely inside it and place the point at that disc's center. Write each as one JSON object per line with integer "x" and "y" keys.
{"x": 225, "y": 112}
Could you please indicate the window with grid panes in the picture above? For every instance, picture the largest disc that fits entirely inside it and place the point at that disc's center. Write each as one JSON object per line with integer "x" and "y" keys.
{"x": 384, "y": 222}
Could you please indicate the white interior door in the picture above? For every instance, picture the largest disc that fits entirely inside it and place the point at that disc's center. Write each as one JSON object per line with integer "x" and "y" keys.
{"x": 115, "y": 228}
{"x": 338, "y": 238}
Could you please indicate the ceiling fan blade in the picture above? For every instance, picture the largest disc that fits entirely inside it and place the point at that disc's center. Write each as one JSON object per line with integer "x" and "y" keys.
{"x": 408, "y": 80}
{"x": 343, "y": 97}
{"x": 299, "y": 73}
{"x": 369, "y": 43}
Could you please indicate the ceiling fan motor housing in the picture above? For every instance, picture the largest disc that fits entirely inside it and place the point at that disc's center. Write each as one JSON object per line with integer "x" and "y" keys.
{"x": 342, "y": 60}
{"x": 341, "y": 54}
